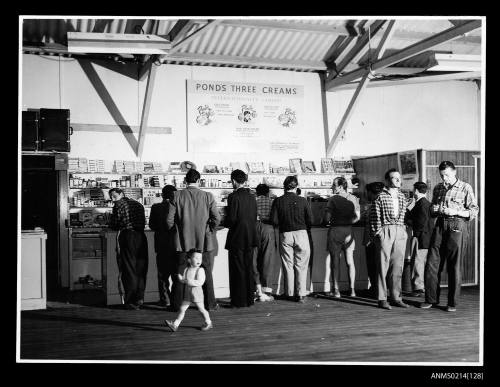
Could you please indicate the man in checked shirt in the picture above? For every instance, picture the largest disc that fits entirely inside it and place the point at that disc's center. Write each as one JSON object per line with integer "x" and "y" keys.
{"x": 129, "y": 219}
{"x": 388, "y": 231}
{"x": 453, "y": 203}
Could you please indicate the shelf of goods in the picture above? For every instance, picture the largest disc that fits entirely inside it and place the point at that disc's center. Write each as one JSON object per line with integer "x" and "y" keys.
{"x": 89, "y": 202}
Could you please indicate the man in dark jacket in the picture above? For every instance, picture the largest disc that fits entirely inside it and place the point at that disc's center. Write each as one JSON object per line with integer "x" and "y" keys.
{"x": 241, "y": 218}
{"x": 166, "y": 262}
{"x": 422, "y": 224}
{"x": 292, "y": 214}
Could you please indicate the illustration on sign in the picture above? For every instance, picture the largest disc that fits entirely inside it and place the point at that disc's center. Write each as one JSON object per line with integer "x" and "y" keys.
{"x": 287, "y": 118}
{"x": 247, "y": 113}
{"x": 205, "y": 116}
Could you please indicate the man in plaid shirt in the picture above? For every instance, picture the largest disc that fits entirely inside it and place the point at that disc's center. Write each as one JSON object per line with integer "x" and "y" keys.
{"x": 388, "y": 231}
{"x": 129, "y": 219}
{"x": 453, "y": 203}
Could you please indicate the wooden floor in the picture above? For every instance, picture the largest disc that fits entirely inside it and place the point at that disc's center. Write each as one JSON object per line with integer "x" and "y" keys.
{"x": 321, "y": 330}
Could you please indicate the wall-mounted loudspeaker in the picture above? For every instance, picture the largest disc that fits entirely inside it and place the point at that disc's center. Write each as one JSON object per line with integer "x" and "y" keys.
{"x": 29, "y": 139}
{"x": 54, "y": 130}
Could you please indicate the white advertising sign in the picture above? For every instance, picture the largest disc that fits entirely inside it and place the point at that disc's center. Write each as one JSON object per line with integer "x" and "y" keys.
{"x": 244, "y": 117}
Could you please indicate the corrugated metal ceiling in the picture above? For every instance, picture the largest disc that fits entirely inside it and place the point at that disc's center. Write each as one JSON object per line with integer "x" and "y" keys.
{"x": 298, "y": 44}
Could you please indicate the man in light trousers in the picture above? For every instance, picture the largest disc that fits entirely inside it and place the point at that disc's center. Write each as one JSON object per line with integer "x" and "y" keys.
{"x": 389, "y": 234}
{"x": 292, "y": 214}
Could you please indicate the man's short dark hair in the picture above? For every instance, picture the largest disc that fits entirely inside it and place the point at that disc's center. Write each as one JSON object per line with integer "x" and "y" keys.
{"x": 117, "y": 190}
{"x": 420, "y": 186}
{"x": 290, "y": 182}
{"x": 340, "y": 182}
{"x": 191, "y": 252}
{"x": 192, "y": 176}
{"x": 388, "y": 173}
{"x": 375, "y": 187}
{"x": 262, "y": 190}
{"x": 239, "y": 176}
{"x": 446, "y": 164}
{"x": 168, "y": 192}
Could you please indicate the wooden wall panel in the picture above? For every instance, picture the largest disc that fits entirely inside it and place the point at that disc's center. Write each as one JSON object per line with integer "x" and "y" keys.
{"x": 456, "y": 157}
{"x": 372, "y": 169}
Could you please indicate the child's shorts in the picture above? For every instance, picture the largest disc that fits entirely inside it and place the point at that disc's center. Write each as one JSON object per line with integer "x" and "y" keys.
{"x": 193, "y": 294}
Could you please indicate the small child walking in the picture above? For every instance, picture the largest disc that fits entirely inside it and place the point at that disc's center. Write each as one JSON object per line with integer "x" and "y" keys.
{"x": 192, "y": 278}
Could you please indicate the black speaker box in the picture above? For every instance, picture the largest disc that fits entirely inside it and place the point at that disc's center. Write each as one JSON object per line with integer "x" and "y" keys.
{"x": 54, "y": 130}
{"x": 29, "y": 139}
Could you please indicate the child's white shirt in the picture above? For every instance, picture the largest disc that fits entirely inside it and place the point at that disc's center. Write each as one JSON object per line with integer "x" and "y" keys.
{"x": 192, "y": 277}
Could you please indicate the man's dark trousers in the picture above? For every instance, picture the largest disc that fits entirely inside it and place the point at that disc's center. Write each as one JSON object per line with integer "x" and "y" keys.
{"x": 241, "y": 280}
{"x": 207, "y": 261}
{"x": 133, "y": 260}
{"x": 166, "y": 265}
{"x": 448, "y": 245}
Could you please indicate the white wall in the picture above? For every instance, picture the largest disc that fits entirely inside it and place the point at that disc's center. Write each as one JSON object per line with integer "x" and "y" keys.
{"x": 44, "y": 86}
{"x": 439, "y": 116}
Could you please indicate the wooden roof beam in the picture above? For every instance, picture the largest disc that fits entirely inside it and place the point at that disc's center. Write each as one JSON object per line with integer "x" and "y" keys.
{"x": 145, "y": 109}
{"x": 360, "y": 46}
{"x": 408, "y": 52}
{"x": 184, "y": 42}
{"x": 179, "y": 29}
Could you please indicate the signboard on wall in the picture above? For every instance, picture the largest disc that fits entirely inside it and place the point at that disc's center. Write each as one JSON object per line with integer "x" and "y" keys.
{"x": 408, "y": 167}
{"x": 244, "y": 117}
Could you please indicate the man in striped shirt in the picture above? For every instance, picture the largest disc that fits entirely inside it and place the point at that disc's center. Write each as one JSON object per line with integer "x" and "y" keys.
{"x": 129, "y": 219}
{"x": 453, "y": 203}
{"x": 388, "y": 232}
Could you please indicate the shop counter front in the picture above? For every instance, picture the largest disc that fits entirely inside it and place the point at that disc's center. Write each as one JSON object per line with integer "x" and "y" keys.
{"x": 33, "y": 274}
{"x": 110, "y": 268}
{"x": 318, "y": 277}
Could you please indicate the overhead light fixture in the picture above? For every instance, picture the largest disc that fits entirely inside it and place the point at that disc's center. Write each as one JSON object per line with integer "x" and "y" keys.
{"x": 107, "y": 43}
{"x": 456, "y": 62}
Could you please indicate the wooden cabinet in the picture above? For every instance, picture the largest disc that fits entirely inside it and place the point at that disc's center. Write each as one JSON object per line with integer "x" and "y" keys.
{"x": 33, "y": 277}
{"x": 85, "y": 259}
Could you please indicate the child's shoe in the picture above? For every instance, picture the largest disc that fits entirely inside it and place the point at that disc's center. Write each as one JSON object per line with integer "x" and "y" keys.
{"x": 206, "y": 326}
{"x": 264, "y": 297}
{"x": 171, "y": 325}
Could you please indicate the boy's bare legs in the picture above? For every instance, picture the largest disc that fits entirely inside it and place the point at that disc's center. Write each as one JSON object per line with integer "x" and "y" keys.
{"x": 201, "y": 308}
{"x": 182, "y": 311}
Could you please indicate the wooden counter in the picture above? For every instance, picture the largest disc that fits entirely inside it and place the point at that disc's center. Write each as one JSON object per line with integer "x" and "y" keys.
{"x": 320, "y": 267}
{"x": 33, "y": 274}
{"x": 110, "y": 268}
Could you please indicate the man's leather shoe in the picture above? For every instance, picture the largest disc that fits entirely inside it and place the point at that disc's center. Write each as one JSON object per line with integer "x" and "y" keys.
{"x": 426, "y": 305}
{"x": 400, "y": 304}
{"x": 384, "y": 305}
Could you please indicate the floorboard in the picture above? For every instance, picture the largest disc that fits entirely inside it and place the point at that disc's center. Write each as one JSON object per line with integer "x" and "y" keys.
{"x": 321, "y": 330}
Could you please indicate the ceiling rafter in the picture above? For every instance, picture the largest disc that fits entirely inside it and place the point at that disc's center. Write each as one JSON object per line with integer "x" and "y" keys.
{"x": 408, "y": 52}
{"x": 360, "y": 46}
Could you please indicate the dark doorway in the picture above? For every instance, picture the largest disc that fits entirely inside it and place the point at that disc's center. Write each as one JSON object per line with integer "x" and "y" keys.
{"x": 39, "y": 209}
